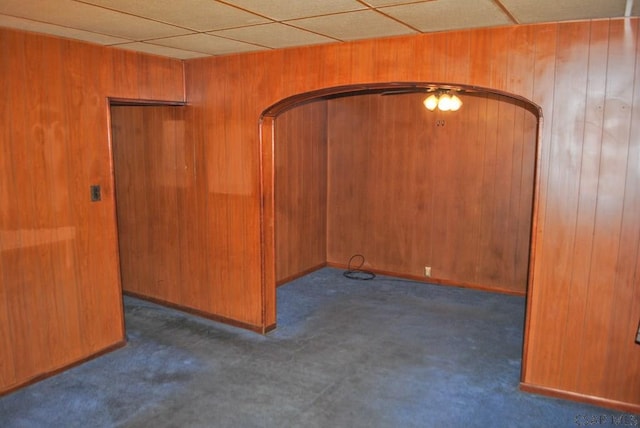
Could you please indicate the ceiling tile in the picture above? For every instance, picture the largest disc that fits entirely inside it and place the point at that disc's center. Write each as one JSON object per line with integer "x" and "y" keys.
{"x": 56, "y": 30}
{"x": 161, "y": 50}
{"x": 274, "y": 36}
{"x": 199, "y": 15}
{"x": 529, "y": 11}
{"x": 353, "y": 25}
{"x": 230, "y": 26}
{"x": 282, "y": 10}
{"x": 378, "y": 3}
{"x": 206, "y": 43}
{"x": 82, "y": 16}
{"x": 449, "y": 15}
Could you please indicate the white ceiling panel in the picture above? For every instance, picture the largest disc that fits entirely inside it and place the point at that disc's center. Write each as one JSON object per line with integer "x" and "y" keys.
{"x": 274, "y": 36}
{"x": 281, "y": 10}
{"x": 379, "y": 3}
{"x": 72, "y": 14}
{"x": 161, "y": 50}
{"x": 56, "y": 30}
{"x": 190, "y": 28}
{"x": 526, "y": 11}
{"x": 199, "y": 15}
{"x": 206, "y": 43}
{"x": 449, "y": 14}
{"x": 353, "y": 25}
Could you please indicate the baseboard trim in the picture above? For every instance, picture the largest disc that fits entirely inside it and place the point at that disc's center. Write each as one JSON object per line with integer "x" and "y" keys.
{"x": 582, "y": 398}
{"x": 42, "y": 376}
{"x": 203, "y": 314}
{"x": 290, "y": 278}
{"x": 435, "y": 281}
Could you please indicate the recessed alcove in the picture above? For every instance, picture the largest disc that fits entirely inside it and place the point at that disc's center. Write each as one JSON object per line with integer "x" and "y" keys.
{"x": 370, "y": 171}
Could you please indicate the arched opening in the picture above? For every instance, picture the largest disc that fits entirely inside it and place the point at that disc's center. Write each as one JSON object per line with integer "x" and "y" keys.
{"x": 268, "y": 152}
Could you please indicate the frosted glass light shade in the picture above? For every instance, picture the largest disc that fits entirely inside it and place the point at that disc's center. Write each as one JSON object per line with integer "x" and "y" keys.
{"x": 444, "y": 103}
{"x": 431, "y": 102}
{"x": 456, "y": 103}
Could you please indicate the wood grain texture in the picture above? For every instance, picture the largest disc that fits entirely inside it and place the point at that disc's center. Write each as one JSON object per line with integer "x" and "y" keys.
{"x": 578, "y": 272}
{"x": 409, "y": 188}
{"x": 607, "y": 288}
{"x": 301, "y": 189}
{"x": 149, "y": 160}
{"x": 582, "y": 292}
{"x": 60, "y": 298}
{"x": 575, "y": 209}
{"x": 225, "y": 193}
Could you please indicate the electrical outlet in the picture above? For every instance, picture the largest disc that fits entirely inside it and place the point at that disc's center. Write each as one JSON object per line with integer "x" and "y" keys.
{"x": 427, "y": 271}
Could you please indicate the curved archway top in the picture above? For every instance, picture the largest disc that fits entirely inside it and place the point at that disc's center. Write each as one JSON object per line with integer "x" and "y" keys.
{"x": 385, "y": 87}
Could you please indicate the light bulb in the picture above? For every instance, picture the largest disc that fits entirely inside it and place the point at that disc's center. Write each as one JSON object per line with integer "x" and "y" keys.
{"x": 431, "y": 102}
{"x": 456, "y": 103}
{"x": 444, "y": 103}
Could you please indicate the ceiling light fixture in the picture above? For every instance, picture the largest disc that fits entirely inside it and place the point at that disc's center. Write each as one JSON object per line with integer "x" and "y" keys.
{"x": 443, "y": 101}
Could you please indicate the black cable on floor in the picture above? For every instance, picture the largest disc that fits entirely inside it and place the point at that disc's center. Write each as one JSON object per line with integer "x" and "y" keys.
{"x": 357, "y": 273}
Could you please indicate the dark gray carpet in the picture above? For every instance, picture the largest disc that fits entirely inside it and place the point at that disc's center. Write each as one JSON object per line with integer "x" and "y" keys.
{"x": 381, "y": 353}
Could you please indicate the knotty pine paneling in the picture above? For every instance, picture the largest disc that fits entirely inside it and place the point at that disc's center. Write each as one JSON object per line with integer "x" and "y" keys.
{"x": 409, "y": 188}
{"x": 60, "y": 298}
{"x": 582, "y": 251}
{"x": 301, "y": 190}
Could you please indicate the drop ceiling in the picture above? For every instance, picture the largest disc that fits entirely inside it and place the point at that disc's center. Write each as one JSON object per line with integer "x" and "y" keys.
{"x": 186, "y": 29}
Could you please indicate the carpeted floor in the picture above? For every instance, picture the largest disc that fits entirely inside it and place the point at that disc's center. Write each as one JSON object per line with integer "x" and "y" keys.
{"x": 380, "y": 353}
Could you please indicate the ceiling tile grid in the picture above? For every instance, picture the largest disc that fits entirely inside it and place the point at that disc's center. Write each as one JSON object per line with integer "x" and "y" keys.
{"x": 57, "y": 30}
{"x": 187, "y": 29}
{"x": 566, "y": 10}
{"x": 274, "y": 35}
{"x": 282, "y": 10}
{"x": 449, "y": 15}
{"x": 197, "y": 15}
{"x": 206, "y": 43}
{"x": 162, "y": 50}
{"x": 363, "y": 24}
{"x": 82, "y": 16}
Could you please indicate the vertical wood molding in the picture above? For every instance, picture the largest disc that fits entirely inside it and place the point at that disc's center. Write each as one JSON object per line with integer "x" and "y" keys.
{"x": 269, "y": 277}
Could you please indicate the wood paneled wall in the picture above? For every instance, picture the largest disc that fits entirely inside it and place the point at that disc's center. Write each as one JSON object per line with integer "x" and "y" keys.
{"x": 585, "y": 296}
{"x": 409, "y": 188}
{"x": 301, "y": 190}
{"x": 59, "y": 285}
{"x": 223, "y": 124}
{"x": 584, "y": 302}
{"x": 164, "y": 254}
{"x": 152, "y": 168}
{"x": 59, "y": 250}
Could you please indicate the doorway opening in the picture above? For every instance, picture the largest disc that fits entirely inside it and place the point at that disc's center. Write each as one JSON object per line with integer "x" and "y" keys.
{"x": 148, "y": 172}
{"x": 387, "y": 164}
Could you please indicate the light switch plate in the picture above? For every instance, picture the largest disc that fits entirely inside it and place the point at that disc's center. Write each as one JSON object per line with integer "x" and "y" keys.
{"x": 95, "y": 193}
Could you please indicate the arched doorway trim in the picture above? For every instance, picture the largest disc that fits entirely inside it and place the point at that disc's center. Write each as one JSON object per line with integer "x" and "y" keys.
{"x": 267, "y": 171}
